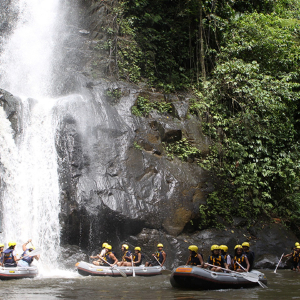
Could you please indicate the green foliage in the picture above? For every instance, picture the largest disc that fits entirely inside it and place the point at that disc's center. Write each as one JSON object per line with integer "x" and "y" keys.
{"x": 255, "y": 144}
{"x": 144, "y": 106}
{"x": 182, "y": 149}
{"x": 114, "y": 93}
{"x": 137, "y": 146}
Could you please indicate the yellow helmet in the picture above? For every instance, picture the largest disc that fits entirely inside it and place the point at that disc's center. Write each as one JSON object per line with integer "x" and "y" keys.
{"x": 246, "y": 244}
{"x": 297, "y": 244}
{"x": 1, "y": 245}
{"x": 224, "y": 248}
{"x": 109, "y": 247}
{"x": 12, "y": 244}
{"x": 215, "y": 247}
{"x": 193, "y": 248}
{"x": 104, "y": 245}
{"x": 238, "y": 246}
{"x": 31, "y": 248}
{"x": 160, "y": 246}
{"x": 298, "y": 247}
{"x": 138, "y": 248}
{"x": 125, "y": 246}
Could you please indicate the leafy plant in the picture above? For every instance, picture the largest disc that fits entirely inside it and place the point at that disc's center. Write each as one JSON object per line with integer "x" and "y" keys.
{"x": 144, "y": 106}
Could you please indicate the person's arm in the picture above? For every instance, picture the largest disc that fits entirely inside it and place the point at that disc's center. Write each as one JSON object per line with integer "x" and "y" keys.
{"x": 37, "y": 257}
{"x": 112, "y": 256}
{"x": 288, "y": 255}
{"x": 247, "y": 262}
{"x": 201, "y": 260}
{"x": 25, "y": 244}
{"x": 164, "y": 258}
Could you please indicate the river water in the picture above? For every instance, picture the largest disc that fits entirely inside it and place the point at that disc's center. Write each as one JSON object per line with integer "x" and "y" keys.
{"x": 69, "y": 285}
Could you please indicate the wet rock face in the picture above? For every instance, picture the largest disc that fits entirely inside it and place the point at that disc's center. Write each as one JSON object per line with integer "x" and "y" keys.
{"x": 114, "y": 174}
{"x": 268, "y": 244}
{"x": 13, "y": 107}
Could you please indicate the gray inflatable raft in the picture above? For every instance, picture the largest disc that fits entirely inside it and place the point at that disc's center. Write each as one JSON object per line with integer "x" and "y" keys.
{"x": 86, "y": 269}
{"x": 192, "y": 277}
{"x": 18, "y": 272}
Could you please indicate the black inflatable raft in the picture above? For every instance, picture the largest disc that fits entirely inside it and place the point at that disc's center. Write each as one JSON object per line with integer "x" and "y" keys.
{"x": 191, "y": 277}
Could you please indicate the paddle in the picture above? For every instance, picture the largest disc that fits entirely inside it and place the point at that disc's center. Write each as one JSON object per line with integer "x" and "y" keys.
{"x": 248, "y": 276}
{"x": 252, "y": 276}
{"x": 278, "y": 263}
{"x": 113, "y": 267}
{"x": 133, "y": 272}
{"x": 163, "y": 271}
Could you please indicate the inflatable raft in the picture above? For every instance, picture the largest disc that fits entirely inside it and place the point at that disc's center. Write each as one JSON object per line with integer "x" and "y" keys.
{"x": 86, "y": 269}
{"x": 203, "y": 279}
{"x": 18, "y": 272}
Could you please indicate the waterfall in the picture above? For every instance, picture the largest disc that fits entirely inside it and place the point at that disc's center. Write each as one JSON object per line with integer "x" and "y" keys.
{"x": 28, "y": 164}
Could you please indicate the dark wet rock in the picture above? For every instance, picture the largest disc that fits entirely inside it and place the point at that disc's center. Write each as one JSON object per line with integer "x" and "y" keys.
{"x": 13, "y": 108}
{"x": 70, "y": 255}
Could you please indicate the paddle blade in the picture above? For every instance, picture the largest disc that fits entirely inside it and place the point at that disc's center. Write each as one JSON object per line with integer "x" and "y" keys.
{"x": 35, "y": 252}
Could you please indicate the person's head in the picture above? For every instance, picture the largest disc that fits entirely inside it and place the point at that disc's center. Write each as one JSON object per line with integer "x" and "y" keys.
{"x": 298, "y": 249}
{"x": 1, "y": 247}
{"x": 160, "y": 247}
{"x": 297, "y": 244}
{"x": 12, "y": 245}
{"x": 238, "y": 250}
{"x": 215, "y": 249}
{"x": 193, "y": 249}
{"x": 125, "y": 247}
{"x": 137, "y": 249}
{"x": 108, "y": 248}
{"x": 104, "y": 245}
{"x": 224, "y": 249}
{"x": 246, "y": 246}
{"x": 31, "y": 249}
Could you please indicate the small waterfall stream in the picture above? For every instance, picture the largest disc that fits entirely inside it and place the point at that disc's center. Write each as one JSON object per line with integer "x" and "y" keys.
{"x": 28, "y": 164}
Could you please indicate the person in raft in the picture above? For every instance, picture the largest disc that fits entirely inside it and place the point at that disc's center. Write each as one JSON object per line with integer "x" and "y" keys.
{"x": 127, "y": 256}
{"x": 101, "y": 254}
{"x": 160, "y": 256}
{"x": 26, "y": 260}
{"x": 1, "y": 254}
{"x": 226, "y": 256}
{"x": 250, "y": 254}
{"x": 10, "y": 256}
{"x": 216, "y": 260}
{"x": 110, "y": 256}
{"x": 195, "y": 258}
{"x": 240, "y": 262}
{"x": 137, "y": 256}
{"x": 295, "y": 259}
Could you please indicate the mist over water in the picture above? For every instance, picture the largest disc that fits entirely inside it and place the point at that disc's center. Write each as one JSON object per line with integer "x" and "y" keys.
{"x": 28, "y": 163}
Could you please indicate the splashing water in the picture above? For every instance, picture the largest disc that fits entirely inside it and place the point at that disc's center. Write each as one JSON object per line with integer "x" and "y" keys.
{"x": 28, "y": 167}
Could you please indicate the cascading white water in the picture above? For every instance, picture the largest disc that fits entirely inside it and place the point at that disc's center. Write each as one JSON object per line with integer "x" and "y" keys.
{"x": 30, "y": 199}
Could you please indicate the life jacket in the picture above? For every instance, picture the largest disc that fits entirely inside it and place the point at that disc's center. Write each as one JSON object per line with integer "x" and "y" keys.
{"x": 8, "y": 257}
{"x": 159, "y": 256}
{"x": 28, "y": 259}
{"x": 136, "y": 258}
{"x": 295, "y": 257}
{"x": 128, "y": 253}
{"x": 217, "y": 261}
{"x": 194, "y": 260}
{"x": 108, "y": 258}
{"x": 241, "y": 260}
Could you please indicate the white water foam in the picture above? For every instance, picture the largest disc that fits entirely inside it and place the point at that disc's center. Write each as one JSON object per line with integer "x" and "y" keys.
{"x": 30, "y": 200}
